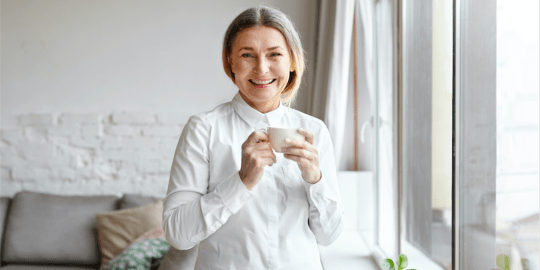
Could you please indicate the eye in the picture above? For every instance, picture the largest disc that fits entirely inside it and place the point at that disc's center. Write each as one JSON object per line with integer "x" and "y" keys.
{"x": 275, "y": 54}
{"x": 247, "y": 55}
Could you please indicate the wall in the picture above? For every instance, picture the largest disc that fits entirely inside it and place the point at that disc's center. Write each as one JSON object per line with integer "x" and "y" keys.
{"x": 94, "y": 93}
{"x": 71, "y": 153}
{"x": 441, "y": 106}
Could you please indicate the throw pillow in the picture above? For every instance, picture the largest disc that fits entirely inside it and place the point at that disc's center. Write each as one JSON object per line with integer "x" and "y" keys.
{"x": 156, "y": 232}
{"x": 139, "y": 255}
{"x": 118, "y": 229}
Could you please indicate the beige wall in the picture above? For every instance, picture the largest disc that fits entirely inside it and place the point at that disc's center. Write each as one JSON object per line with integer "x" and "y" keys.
{"x": 441, "y": 133}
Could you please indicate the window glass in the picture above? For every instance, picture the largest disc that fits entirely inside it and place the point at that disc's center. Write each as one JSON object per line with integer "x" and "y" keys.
{"x": 517, "y": 193}
{"x": 426, "y": 211}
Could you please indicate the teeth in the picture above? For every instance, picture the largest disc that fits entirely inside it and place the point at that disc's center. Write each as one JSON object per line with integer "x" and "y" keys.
{"x": 262, "y": 81}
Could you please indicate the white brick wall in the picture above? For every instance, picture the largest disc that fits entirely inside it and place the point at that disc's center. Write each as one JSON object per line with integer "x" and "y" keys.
{"x": 133, "y": 118}
{"x": 90, "y": 153}
{"x": 36, "y": 120}
{"x": 74, "y": 119}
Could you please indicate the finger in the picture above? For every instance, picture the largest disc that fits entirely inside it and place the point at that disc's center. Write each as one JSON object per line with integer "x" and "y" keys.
{"x": 310, "y": 138}
{"x": 262, "y": 146}
{"x": 268, "y": 154}
{"x": 300, "y": 144}
{"x": 302, "y": 162}
{"x": 260, "y": 150}
{"x": 303, "y": 153}
{"x": 269, "y": 161}
{"x": 257, "y": 136}
{"x": 262, "y": 136}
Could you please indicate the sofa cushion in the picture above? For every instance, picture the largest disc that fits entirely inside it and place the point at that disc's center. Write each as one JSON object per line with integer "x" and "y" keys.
{"x": 4, "y": 208}
{"x": 54, "y": 229}
{"x": 118, "y": 229}
{"x": 134, "y": 200}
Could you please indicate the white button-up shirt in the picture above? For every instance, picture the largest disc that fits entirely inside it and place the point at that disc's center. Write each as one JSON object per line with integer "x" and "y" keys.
{"x": 276, "y": 225}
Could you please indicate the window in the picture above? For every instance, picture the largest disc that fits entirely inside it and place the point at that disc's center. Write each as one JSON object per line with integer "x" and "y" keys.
{"x": 457, "y": 140}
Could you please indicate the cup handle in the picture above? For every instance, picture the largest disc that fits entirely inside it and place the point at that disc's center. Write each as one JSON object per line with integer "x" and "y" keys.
{"x": 263, "y": 130}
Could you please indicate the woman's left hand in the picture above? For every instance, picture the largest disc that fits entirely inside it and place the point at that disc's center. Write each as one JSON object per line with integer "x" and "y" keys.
{"x": 306, "y": 156}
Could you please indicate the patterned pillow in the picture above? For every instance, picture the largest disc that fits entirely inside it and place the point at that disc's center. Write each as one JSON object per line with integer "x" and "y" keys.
{"x": 139, "y": 255}
{"x": 118, "y": 229}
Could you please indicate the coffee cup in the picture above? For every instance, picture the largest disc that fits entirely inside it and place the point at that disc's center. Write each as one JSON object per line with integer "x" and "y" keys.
{"x": 278, "y": 135}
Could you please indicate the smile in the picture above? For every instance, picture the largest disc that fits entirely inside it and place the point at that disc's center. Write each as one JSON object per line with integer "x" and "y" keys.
{"x": 262, "y": 82}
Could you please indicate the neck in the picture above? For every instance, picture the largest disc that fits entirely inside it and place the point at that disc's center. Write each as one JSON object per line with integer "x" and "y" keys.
{"x": 263, "y": 107}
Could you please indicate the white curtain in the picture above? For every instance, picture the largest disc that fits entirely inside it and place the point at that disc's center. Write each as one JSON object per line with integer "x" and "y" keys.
{"x": 366, "y": 43}
{"x": 365, "y": 14}
{"x": 331, "y": 83}
{"x": 387, "y": 168}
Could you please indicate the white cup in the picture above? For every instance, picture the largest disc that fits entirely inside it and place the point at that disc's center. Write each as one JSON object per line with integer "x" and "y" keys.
{"x": 278, "y": 136}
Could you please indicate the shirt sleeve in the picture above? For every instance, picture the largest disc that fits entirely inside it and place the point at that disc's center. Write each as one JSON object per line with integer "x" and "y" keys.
{"x": 325, "y": 210}
{"x": 190, "y": 212}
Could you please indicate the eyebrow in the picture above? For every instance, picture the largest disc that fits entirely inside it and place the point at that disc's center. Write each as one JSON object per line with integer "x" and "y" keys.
{"x": 251, "y": 49}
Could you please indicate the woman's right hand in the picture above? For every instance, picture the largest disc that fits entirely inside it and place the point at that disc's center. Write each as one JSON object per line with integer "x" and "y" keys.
{"x": 256, "y": 153}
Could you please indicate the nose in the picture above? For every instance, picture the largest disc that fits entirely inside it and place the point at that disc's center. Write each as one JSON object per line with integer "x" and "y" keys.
{"x": 261, "y": 66}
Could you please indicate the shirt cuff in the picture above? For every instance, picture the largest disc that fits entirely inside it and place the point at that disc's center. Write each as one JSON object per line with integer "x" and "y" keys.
{"x": 233, "y": 193}
{"x": 317, "y": 192}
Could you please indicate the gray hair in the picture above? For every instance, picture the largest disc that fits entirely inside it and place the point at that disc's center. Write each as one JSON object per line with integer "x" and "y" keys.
{"x": 266, "y": 16}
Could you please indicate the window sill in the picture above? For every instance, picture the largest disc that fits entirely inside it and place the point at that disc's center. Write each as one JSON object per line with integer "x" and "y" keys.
{"x": 417, "y": 259}
{"x": 348, "y": 252}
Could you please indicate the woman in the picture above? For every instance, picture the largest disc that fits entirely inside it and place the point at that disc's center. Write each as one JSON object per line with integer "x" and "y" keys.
{"x": 246, "y": 206}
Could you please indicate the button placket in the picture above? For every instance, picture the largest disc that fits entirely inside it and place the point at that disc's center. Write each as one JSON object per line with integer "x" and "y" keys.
{"x": 273, "y": 221}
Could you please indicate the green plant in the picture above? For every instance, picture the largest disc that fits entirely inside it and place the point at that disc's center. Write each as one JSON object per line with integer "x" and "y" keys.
{"x": 388, "y": 264}
{"x": 503, "y": 262}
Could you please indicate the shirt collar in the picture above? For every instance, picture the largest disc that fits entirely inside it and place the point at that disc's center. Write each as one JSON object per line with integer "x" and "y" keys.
{"x": 252, "y": 116}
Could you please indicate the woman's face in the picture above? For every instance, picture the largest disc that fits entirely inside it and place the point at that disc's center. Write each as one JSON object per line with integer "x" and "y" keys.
{"x": 261, "y": 65}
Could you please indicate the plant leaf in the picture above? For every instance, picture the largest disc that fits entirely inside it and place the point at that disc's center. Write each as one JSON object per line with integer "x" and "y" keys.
{"x": 403, "y": 261}
{"x": 503, "y": 262}
{"x": 387, "y": 264}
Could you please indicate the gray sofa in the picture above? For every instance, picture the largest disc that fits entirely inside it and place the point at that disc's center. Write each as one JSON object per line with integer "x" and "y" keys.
{"x": 44, "y": 231}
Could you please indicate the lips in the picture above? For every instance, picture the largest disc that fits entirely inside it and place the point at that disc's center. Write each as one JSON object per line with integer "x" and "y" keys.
{"x": 262, "y": 82}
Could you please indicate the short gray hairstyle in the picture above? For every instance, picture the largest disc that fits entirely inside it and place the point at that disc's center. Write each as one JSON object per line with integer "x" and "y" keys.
{"x": 271, "y": 17}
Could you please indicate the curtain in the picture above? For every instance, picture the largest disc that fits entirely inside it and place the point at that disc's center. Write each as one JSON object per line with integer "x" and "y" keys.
{"x": 366, "y": 45}
{"x": 332, "y": 64}
{"x": 387, "y": 173}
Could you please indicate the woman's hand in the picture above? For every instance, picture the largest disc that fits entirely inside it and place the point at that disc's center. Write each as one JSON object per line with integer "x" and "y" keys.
{"x": 305, "y": 155}
{"x": 256, "y": 153}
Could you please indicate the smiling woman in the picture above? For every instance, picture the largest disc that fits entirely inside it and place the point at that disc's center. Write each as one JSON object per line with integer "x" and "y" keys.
{"x": 231, "y": 196}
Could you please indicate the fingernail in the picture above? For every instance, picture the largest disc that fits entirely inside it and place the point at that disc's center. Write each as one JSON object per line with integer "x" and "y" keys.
{"x": 300, "y": 129}
{"x": 287, "y": 140}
